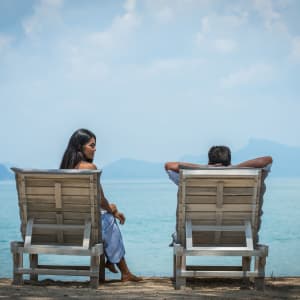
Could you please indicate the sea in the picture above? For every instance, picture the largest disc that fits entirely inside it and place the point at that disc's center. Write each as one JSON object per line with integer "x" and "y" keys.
{"x": 149, "y": 207}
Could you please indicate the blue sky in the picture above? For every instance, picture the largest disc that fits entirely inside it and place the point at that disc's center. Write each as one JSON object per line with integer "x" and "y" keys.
{"x": 154, "y": 79}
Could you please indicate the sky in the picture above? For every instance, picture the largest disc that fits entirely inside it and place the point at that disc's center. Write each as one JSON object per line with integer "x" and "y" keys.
{"x": 153, "y": 79}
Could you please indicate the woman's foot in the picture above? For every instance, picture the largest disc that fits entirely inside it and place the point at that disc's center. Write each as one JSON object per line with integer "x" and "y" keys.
{"x": 111, "y": 267}
{"x": 131, "y": 277}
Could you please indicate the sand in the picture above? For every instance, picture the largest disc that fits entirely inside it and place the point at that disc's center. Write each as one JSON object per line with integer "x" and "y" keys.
{"x": 152, "y": 288}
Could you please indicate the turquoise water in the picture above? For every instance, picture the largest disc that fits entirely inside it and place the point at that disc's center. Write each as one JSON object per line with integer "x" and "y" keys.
{"x": 149, "y": 207}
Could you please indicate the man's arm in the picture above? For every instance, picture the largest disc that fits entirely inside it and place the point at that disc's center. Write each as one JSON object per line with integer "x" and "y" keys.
{"x": 174, "y": 166}
{"x": 259, "y": 162}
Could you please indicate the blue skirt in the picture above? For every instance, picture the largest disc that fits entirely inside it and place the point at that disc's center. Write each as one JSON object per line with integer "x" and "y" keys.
{"x": 113, "y": 243}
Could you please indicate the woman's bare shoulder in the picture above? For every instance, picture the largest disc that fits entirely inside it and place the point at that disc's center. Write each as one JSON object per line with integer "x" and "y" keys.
{"x": 86, "y": 165}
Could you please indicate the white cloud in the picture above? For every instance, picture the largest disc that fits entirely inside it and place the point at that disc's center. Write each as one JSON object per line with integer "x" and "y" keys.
{"x": 225, "y": 45}
{"x": 130, "y": 5}
{"x": 173, "y": 64}
{"x": 295, "y": 53}
{"x": 121, "y": 27}
{"x": 165, "y": 15}
{"x": 47, "y": 13}
{"x": 88, "y": 56}
{"x": 272, "y": 18}
{"x": 254, "y": 74}
{"x": 217, "y": 32}
{"x": 5, "y": 41}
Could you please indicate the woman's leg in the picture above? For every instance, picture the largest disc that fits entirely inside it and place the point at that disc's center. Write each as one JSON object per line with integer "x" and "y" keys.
{"x": 110, "y": 266}
{"x": 114, "y": 247}
{"x": 126, "y": 274}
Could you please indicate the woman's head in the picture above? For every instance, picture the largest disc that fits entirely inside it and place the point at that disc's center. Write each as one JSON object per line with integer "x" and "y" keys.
{"x": 81, "y": 147}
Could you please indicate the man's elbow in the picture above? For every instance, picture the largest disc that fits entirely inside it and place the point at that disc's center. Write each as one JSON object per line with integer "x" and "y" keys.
{"x": 167, "y": 166}
{"x": 269, "y": 160}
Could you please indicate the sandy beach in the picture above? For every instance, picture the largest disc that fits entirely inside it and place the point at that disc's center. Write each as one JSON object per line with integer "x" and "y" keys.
{"x": 152, "y": 288}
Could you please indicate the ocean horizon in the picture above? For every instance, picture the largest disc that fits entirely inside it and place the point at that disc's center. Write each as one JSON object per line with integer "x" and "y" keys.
{"x": 149, "y": 206}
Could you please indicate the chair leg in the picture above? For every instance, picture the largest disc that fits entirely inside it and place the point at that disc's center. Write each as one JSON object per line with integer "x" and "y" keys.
{"x": 33, "y": 261}
{"x": 18, "y": 263}
{"x": 246, "y": 264}
{"x": 102, "y": 268}
{"x": 94, "y": 278}
{"x": 260, "y": 266}
{"x": 180, "y": 264}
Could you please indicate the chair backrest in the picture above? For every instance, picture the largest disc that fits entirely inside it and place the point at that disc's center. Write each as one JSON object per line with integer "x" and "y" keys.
{"x": 219, "y": 196}
{"x": 67, "y": 197}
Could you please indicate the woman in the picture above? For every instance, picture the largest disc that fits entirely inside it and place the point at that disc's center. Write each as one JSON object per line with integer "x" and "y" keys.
{"x": 79, "y": 155}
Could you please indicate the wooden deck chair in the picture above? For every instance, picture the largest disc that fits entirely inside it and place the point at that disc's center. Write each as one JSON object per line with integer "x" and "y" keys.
{"x": 60, "y": 214}
{"x": 218, "y": 214}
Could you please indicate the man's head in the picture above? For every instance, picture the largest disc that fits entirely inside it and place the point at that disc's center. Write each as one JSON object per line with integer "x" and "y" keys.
{"x": 219, "y": 155}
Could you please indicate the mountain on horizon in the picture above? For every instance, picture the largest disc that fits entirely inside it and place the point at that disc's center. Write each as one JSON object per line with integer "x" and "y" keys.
{"x": 285, "y": 162}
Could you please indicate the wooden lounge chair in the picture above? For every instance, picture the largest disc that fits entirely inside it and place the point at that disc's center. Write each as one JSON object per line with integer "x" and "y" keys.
{"x": 218, "y": 214}
{"x": 60, "y": 214}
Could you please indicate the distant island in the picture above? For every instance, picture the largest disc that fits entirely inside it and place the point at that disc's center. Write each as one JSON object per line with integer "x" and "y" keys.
{"x": 286, "y": 162}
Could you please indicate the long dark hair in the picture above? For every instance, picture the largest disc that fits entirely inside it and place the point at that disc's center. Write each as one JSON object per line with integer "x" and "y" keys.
{"x": 74, "y": 152}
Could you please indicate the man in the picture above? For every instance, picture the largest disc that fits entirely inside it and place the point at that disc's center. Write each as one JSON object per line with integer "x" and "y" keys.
{"x": 218, "y": 156}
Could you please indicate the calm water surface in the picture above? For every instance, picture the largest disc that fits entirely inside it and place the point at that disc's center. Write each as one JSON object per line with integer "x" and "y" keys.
{"x": 150, "y": 207}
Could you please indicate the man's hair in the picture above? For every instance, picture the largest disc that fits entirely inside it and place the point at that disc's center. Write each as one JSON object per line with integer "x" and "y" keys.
{"x": 219, "y": 155}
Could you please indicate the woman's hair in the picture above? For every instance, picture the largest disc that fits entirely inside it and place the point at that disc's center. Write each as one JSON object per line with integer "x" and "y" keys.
{"x": 74, "y": 152}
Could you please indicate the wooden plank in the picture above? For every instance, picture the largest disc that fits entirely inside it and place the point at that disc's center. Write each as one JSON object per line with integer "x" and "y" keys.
{"x": 213, "y": 207}
{"x": 220, "y": 187}
{"x": 238, "y": 191}
{"x": 237, "y": 182}
{"x": 61, "y": 271}
{"x": 51, "y": 207}
{"x": 48, "y": 176}
{"x": 57, "y": 189}
{"x": 85, "y": 200}
{"x": 52, "y": 215}
{"x": 218, "y": 228}
{"x": 50, "y": 191}
{"x": 205, "y": 191}
{"x": 67, "y": 182}
{"x": 189, "y": 234}
{"x": 227, "y": 199}
{"x": 28, "y": 235}
{"x": 216, "y": 274}
{"x": 86, "y": 235}
{"x": 63, "y": 227}
{"x": 213, "y": 268}
{"x": 248, "y": 235}
{"x": 212, "y": 215}
{"x": 60, "y": 233}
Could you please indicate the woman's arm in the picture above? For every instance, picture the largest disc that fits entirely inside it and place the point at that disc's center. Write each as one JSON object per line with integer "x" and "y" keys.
{"x": 259, "y": 162}
{"x": 109, "y": 207}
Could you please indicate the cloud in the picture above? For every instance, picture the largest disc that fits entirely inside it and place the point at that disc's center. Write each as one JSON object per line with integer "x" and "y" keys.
{"x": 5, "y": 41}
{"x": 218, "y": 32}
{"x": 47, "y": 14}
{"x": 225, "y": 45}
{"x": 295, "y": 52}
{"x": 119, "y": 30}
{"x": 173, "y": 64}
{"x": 272, "y": 18}
{"x": 254, "y": 74}
{"x": 89, "y": 56}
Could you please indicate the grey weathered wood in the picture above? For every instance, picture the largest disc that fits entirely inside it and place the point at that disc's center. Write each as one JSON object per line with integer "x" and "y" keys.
{"x": 60, "y": 214}
{"x": 218, "y": 215}
{"x": 33, "y": 262}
